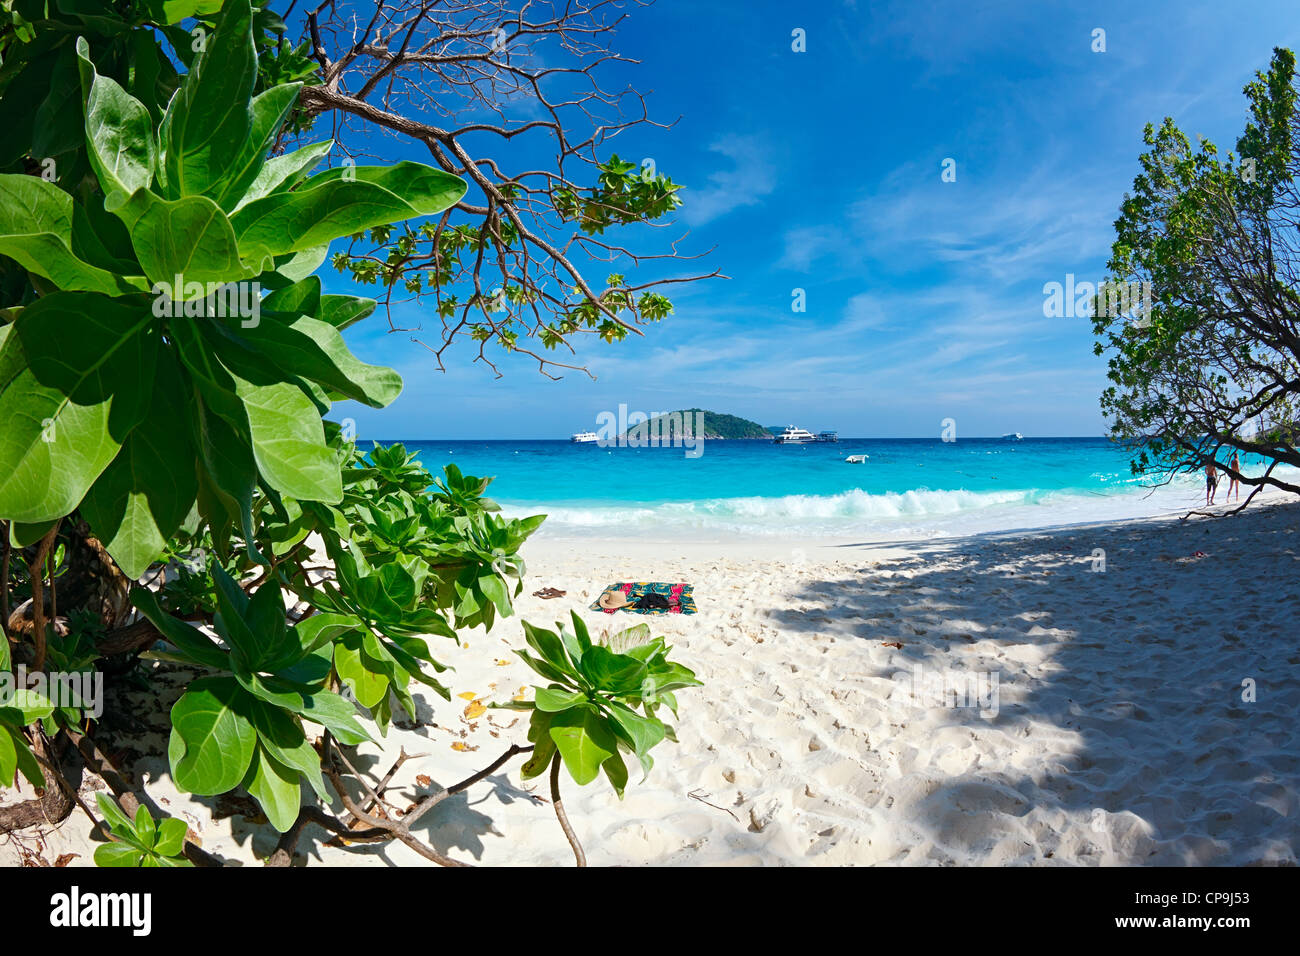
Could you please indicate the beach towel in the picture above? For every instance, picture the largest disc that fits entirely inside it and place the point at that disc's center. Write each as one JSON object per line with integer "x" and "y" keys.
{"x": 679, "y": 597}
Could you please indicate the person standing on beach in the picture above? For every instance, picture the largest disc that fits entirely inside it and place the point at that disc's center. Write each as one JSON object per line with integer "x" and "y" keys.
{"x": 1211, "y": 481}
{"x": 1233, "y": 484}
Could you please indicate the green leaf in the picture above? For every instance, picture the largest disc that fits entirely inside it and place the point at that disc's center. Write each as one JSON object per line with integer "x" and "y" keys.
{"x": 189, "y": 640}
{"x": 218, "y": 740}
{"x": 145, "y": 829}
{"x": 190, "y": 238}
{"x": 281, "y": 173}
{"x": 268, "y": 111}
{"x": 584, "y": 742}
{"x": 174, "y": 11}
{"x": 141, "y": 499}
{"x": 208, "y": 122}
{"x": 368, "y": 685}
{"x": 324, "y": 628}
{"x": 336, "y": 715}
{"x": 314, "y": 350}
{"x": 328, "y": 206}
{"x": 36, "y": 231}
{"x": 16, "y": 756}
{"x": 113, "y": 814}
{"x": 285, "y": 741}
{"x": 76, "y": 374}
{"x": 342, "y": 311}
{"x": 275, "y": 787}
{"x": 539, "y": 735}
{"x": 616, "y": 673}
{"x": 118, "y": 855}
{"x": 119, "y": 134}
{"x": 641, "y": 733}
{"x": 494, "y": 590}
{"x": 171, "y": 837}
{"x": 549, "y": 647}
{"x": 616, "y": 770}
{"x": 545, "y": 669}
{"x": 553, "y": 701}
{"x": 289, "y": 441}
{"x": 23, "y": 706}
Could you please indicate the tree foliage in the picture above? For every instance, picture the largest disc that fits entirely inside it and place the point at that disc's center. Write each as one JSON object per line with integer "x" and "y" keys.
{"x": 514, "y": 99}
{"x": 167, "y": 363}
{"x": 1215, "y": 367}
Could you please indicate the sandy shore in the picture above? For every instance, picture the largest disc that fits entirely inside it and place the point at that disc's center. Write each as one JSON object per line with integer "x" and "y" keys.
{"x": 1126, "y": 693}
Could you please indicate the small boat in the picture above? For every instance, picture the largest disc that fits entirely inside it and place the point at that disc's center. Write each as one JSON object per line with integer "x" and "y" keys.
{"x": 794, "y": 436}
{"x": 584, "y": 438}
{"x": 1013, "y": 436}
{"x": 828, "y": 436}
{"x": 856, "y": 459}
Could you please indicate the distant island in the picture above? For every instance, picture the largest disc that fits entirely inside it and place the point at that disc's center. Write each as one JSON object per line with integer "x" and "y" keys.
{"x": 716, "y": 425}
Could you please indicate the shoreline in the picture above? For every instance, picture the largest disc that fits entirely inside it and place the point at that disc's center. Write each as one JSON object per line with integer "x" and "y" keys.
{"x": 699, "y": 546}
{"x": 1118, "y": 736}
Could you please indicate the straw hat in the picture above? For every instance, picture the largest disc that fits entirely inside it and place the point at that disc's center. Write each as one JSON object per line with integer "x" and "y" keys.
{"x": 613, "y": 600}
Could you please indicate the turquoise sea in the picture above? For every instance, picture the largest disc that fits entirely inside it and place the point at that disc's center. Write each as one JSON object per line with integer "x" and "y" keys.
{"x": 908, "y": 488}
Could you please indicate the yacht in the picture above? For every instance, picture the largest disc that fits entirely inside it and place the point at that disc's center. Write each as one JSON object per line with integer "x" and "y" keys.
{"x": 584, "y": 438}
{"x": 1013, "y": 436}
{"x": 794, "y": 436}
{"x": 828, "y": 436}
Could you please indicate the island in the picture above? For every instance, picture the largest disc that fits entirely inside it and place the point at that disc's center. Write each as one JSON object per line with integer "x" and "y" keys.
{"x": 715, "y": 425}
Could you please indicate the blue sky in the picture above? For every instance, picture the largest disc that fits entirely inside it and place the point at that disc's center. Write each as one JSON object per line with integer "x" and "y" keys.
{"x": 821, "y": 171}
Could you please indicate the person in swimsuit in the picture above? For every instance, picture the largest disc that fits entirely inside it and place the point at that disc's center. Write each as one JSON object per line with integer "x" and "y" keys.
{"x": 1233, "y": 484}
{"x": 1211, "y": 482}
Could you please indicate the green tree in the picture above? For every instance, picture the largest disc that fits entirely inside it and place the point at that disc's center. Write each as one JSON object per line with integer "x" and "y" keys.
{"x": 1214, "y": 368}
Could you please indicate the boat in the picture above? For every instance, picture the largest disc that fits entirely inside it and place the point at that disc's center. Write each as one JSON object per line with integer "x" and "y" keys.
{"x": 828, "y": 436}
{"x": 856, "y": 459}
{"x": 584, "y": 438}
{"x": 1013, "y": 436}
{"x": 794, "y": 436}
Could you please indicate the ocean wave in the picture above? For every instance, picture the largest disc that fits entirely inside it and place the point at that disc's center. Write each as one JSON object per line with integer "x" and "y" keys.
{"x": 921, "y": 512}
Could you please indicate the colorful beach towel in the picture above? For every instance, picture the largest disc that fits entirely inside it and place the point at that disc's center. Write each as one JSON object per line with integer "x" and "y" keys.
{"x": 679, "y": 596}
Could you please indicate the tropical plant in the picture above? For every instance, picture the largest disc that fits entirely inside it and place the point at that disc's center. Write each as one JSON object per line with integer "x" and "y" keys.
{"x": 169, "y": 483}
{"x": 1214, "y": 368}
{"x": 601, "y": 701}
{"x": 139, "y": 842}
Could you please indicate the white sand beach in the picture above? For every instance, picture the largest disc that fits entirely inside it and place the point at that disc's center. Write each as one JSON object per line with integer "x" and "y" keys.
{"x": 1137, "y": 684}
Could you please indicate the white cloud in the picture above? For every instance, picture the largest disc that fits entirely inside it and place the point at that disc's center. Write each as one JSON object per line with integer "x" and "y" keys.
{"x": 751, "y": 177}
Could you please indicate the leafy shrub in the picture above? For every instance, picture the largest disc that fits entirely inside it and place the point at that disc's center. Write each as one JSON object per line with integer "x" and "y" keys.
{"x": 139, "y": 842}
{"x": 587, "y": 715}
{"x": 186, "y": 433}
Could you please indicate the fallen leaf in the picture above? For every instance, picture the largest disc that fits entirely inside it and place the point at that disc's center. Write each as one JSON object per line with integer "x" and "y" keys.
{"x": 468, "y": 695}
{"x": 423, "y": 780}
{"x": 502, "y": 662}
{"x": 519, "y": 694}
{"x": 463, "y": 747}
{"x": 475, "y": 709}
{"x": 65, "y": 858}
{"x": 898, "y": 644}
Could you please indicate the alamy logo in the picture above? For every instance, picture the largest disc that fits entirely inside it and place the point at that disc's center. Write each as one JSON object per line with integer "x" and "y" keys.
{"x": 77, "y": 690}
{"x": 1079, "y": 300}
{"x": 947, "y": 689}
{"x": 192, "y": 300}
{"x": 654, "y": 430}
{"x": 76, "y": 909}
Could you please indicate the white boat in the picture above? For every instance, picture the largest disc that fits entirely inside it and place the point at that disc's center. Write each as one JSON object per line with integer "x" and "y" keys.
{"x": 1013, "y": 436}
{"x": 856, "y": 459}
{"x": 794, "y": 436}
{"x": 828, "y": 436}
{"x": 584, "y": 438}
